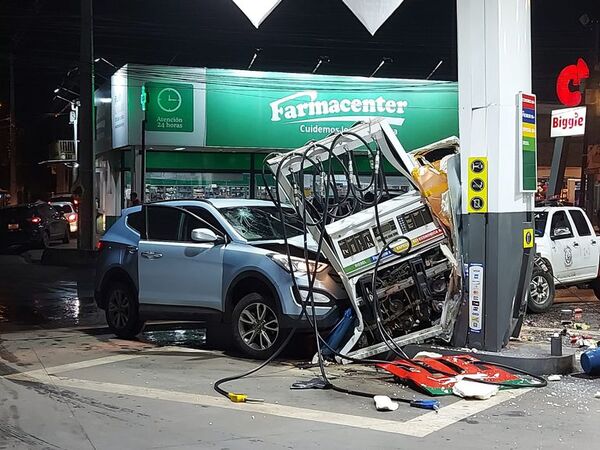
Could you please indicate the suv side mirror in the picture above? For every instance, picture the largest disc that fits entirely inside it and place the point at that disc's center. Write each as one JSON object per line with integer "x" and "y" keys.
{"x": 561, "y": 232}
{"x": 206, "y": 235}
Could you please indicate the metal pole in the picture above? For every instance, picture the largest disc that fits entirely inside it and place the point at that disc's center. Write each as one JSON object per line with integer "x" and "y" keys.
{"x": 12, "y": 156}
{"x": 557, "y": 169}
{"x": 143, "y": 153}
{"x": 75, "y": 109}
{"x": 87, "y": 206}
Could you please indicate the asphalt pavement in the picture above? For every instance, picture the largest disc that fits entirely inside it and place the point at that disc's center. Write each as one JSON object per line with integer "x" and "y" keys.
{"x": 66, "y": 382}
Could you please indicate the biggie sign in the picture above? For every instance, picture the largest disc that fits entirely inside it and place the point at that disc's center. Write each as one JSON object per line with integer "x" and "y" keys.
{"x": 568, "y": 122}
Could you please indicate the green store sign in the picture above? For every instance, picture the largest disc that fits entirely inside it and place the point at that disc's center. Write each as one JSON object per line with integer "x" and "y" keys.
{"x": 279, "y": 110}
{"x": 169, "y": 107}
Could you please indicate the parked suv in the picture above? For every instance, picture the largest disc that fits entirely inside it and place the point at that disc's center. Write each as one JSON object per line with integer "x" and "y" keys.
{"x": 569, "y": 254}
{"x": 220, "y": 261}
{"x": 35, "y": 224}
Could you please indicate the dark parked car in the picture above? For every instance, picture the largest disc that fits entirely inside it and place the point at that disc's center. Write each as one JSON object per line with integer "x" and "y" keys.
{"x": 34, "y": 224}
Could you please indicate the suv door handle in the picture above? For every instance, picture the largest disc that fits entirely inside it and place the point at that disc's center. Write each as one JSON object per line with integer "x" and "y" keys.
{"x": 132, "y": 249}
{"x": 575, "y": 244}
{"x": 151, "y": 255}
{"x": 593, "y": 241}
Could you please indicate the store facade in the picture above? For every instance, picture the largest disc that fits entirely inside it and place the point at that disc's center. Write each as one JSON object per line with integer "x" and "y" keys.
{"x": 208, "y": 131}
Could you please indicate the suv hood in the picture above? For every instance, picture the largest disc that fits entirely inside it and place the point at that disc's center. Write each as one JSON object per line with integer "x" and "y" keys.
{"x": 296, "y": 244}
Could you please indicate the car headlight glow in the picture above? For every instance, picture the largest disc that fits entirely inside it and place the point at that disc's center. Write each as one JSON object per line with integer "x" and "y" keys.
{"x": 298, "y": 264}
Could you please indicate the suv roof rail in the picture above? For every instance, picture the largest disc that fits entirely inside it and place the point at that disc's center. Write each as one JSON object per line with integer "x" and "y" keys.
{"x": 202, "y": 200}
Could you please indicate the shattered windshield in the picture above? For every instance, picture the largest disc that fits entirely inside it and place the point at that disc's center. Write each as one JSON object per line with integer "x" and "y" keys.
{"x": 257, "y": 223}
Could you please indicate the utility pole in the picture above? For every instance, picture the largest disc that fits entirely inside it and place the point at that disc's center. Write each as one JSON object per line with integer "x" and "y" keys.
{"x": 12, "y": 155}
{"x": 87, "y": 207}
{"x": 587, "y": 181}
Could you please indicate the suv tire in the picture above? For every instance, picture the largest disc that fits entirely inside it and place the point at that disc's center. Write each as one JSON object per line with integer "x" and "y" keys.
{"x": 256, "y": 326}
{"x": 541, "y": 291}
{"x": 122, "y": 310}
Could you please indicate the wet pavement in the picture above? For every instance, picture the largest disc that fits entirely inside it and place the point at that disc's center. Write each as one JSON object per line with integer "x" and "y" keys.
{"x": 36, "y": 296}
{"x": 67, "y": 383}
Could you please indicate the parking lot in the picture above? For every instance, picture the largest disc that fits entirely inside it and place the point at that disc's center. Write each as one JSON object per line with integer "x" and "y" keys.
{"x": 66, "y": 382}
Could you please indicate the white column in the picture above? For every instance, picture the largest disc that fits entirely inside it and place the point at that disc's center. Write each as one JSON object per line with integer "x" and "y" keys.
{"x": 494, "y": 65}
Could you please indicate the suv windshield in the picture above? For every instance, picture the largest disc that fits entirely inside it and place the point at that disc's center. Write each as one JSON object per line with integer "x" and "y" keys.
{"x": 258, "y": 223}
{"x": 540, "y": 219}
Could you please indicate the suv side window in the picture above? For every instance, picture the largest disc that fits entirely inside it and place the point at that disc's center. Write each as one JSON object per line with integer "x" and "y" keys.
{"x": 190, "y": 223}
{"x": 561, "y": 228}
{"x": 136, "y": 222}
{"x": 208, "y": 218}
{"x": 581, "y": 224}
{"x": 163, "y": 223}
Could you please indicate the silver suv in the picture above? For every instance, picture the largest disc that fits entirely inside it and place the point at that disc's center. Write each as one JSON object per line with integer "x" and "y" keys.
{"x": 219, "y": 261}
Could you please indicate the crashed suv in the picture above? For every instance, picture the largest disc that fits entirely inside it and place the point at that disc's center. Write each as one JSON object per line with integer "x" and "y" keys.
{"x": 219, "y": 261}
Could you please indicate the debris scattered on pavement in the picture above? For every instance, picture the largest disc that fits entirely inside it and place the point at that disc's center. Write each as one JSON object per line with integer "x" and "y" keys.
{"x": 315, "y": 383}
{"x": 581, "y": 326}
{"x": 472, "y": 389}
{"x": 555, "y": 378}
{"x": 384, "y": 403}
{"x": 597, "y": 394}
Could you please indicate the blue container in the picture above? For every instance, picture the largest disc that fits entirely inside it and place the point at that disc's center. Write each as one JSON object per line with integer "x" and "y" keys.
{"x": 590, "y": 361}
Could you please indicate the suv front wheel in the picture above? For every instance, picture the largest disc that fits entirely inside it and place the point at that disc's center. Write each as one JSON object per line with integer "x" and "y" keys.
{"x": 122, "y": 311}
{"x": 256, "y": 326}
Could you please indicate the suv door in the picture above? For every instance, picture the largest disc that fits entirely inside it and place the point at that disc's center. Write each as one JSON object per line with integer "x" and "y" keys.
{"x": 565, "y": 254}
{"x": 174, "y": 270}
{"x": 589, "y": 247}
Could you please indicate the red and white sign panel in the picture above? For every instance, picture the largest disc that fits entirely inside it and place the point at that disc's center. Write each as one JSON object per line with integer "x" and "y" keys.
{"x": 568, "y": 122}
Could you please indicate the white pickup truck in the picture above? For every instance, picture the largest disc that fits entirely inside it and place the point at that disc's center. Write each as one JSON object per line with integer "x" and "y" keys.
{"x": 569, "y": 254}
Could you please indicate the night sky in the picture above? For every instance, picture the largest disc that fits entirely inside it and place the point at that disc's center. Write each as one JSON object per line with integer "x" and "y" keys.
{"x": 44, "y": 36}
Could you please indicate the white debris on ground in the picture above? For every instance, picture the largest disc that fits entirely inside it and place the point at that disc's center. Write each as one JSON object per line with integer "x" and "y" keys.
{"x": 384, "y": 403}
{"x": 554, "y": 378}
{"x": 472, "y": 389}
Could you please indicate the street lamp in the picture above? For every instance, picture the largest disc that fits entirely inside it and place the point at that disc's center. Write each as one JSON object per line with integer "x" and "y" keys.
{"x": 106, "y": 62}
{"x": 322, "y": 59}
{"x": 62, "y": 88}
{"x": 383, "y": 61}
{"x": 435, "y": 69}
{"x": 256, "y": 52}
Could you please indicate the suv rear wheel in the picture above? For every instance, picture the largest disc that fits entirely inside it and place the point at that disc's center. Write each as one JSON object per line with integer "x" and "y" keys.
{"x": 122, "y": 311}
{"x": 256, "y": 326}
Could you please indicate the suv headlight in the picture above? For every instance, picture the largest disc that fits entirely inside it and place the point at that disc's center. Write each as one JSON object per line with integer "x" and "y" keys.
{"x": 298, "y": 264}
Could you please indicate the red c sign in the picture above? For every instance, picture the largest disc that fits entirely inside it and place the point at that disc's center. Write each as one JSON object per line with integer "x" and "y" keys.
{"x": 572, "y": 74}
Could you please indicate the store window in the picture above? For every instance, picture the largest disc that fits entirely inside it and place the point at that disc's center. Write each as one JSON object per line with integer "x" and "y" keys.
{"x": 183, "y": 185}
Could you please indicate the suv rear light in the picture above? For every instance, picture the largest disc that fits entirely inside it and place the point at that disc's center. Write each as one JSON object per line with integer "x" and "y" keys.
{"x": 100, "y": 246}
{"x": 34, "y": 219}
{"x": 72, "y": 217}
